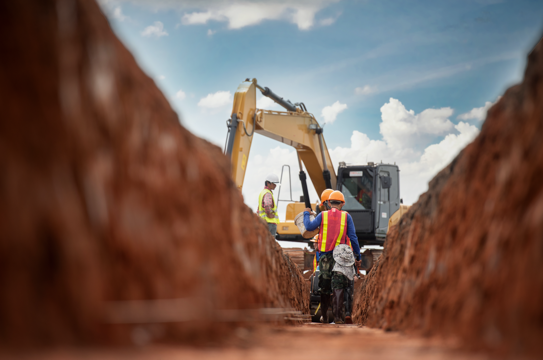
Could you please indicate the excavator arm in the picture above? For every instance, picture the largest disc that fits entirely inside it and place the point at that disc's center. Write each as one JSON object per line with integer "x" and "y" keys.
{"x": 295, "y": 127}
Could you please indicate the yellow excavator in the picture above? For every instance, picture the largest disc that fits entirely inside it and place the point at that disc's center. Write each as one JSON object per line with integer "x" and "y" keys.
{"x": 372, "y": 192}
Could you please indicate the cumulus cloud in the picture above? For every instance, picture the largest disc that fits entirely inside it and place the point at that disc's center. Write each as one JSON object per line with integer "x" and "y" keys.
{"x": 266, "y": 103}
{"x": 113, "y": 10}
{"x": 478, "y": 114}
{"x": 118, "y": 14}
{"x": 156, "y": 30}
{"x": 366, "y": 90}
{"x": 210, "y": 32}
{"x": 327, "y": 21}
{"x": 216, "y": 100}
{"x": 417, "y": 166}
{"x": 330, "y": 113}
{"x": 241, "y": 13}
{"x": 180, "y": 95}
{"x": 402, "y": 128}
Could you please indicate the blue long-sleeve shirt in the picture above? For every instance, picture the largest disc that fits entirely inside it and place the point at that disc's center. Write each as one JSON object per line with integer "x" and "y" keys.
{"x": 351, "y": 233}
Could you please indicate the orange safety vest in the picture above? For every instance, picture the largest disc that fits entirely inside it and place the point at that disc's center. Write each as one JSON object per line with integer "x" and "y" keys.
{"x": 333, "y": 230}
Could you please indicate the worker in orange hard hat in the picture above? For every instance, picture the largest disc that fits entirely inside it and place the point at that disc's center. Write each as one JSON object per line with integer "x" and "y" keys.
{"x": 324, "y": 198}
{"x": 335, "y": 227}
{"x": 325, "y": 206}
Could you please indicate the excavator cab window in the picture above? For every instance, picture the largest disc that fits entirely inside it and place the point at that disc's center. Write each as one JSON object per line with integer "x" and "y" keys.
{"x": 357, "y": 187}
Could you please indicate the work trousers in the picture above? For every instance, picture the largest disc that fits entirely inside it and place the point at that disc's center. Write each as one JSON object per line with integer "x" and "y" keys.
{"x": 273, "y": 228}
{"x": 328, "y": 279}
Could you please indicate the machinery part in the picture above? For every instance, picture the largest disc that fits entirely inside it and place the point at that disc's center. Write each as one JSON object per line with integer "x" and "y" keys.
{"x": 279, "y": 100}
{"x": 232, "y": 128}
{"x": 303, "y": 179}
{"x": 245, "y": 129}
{"x": 289, "y": 184}
{"x": 325, "y": 171}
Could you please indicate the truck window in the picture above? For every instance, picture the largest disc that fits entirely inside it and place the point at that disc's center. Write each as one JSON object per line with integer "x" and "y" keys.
{"x": 358, "y": 191}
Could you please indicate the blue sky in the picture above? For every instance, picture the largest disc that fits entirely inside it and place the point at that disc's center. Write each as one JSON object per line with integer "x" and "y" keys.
{"x": 397, "y": 81}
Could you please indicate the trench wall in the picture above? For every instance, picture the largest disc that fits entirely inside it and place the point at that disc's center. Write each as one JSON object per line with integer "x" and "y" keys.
{"x": 107, "y": 199}
{"x": 465, "y": 261}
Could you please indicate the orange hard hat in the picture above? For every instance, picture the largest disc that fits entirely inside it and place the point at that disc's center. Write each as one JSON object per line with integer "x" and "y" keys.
{"x": 326, "y": 194}
{"x": 337, "y": 196}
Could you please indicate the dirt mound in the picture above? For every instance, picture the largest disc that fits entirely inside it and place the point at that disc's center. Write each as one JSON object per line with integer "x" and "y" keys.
{"x": 466, "y": 259}
{"x": 112, "y": 212}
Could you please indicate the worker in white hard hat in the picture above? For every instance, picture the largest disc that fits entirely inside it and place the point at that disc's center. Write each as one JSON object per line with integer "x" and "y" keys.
{"x": 267, "y": 207}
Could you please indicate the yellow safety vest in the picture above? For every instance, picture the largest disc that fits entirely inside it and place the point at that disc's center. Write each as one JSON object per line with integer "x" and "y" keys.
{"x": 262, "y": 212}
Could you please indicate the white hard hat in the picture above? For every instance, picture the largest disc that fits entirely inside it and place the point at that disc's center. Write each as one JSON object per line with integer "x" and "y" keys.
{"x": 272, "y": 178}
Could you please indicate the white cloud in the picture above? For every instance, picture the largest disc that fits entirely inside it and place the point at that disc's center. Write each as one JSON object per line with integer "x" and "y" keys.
{"x": 330, "y": 113}
{"x": 327, "y": 21}
{"x": 156, "y": 30}
{"x": 405, "y": 129}
{"x": 113, "y": 10}
{"x": 160, "y": 77}
{"x": 366, "y": 90}
{"x": 180, "y": 95}
{"x": 216, "y": 100}
{"x": 479, "y": 113}
{"x": 118, "y": 14}
{"x": 417, "y": 166}
{"x": 241, "y": 13}
{"x": 266, "y": 103}
{"x": 210, "y": 32}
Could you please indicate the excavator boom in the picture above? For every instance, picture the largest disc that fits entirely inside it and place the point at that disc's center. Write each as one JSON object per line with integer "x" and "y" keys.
{"x": 293, "y": 127}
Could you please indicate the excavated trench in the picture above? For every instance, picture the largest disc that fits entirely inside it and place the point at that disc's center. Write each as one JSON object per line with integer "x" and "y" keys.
{"x": 120, "y": 227}
{"x": 465, "y": 261}
{"x": 114, "y": 216}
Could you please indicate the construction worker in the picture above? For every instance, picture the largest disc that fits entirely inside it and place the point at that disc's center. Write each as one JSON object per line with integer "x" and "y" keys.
{"x": 324, "y": 198}
{"x": 336, "y": 227}
{"x": 267, "y": 208}
{"x": 326, "y": 206}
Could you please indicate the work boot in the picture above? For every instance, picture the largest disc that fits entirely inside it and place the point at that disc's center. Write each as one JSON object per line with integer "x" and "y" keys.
{"x": 325, "y": 304}
{"x": 349, "y": 303}
{"x": 338, "y": 306}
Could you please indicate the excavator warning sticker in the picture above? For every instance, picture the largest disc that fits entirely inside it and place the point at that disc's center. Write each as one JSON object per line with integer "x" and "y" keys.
{"x": 355, "y": 173}
{"x": 384, "y": 215}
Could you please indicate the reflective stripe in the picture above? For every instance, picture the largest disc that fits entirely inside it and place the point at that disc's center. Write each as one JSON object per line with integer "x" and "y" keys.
{"x": 333, "y": 225}
{"x": 324, "y": 231}
{"x": 341, "y": 227}
{"x": 262, "y": 213}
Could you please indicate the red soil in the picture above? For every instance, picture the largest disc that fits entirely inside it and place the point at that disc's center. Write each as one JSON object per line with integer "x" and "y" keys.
{"x": 465, "y": 261}
{"x": 106, "y": 197}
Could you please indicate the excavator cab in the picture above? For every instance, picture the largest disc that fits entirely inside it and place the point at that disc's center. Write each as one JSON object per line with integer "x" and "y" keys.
{"x": 372, "y": 195}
